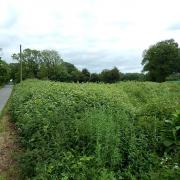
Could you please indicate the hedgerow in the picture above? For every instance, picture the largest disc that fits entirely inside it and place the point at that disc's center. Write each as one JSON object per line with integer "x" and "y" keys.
{"x": 96, "y": 131}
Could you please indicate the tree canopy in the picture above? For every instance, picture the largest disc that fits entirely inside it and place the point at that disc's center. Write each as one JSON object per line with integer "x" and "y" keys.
{"x": 37, "y": 64}
{"x": 48, "y": 64}
{"x": 110, "y": 76}
{"x": 4, "y": 72}
{"x": 161, "y": 60}
{"x": 133, "y": 77}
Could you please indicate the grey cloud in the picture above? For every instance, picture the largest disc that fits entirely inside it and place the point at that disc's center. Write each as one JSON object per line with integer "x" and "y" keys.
{"x": 85, "y": 57}
{"x": 82, "y": 50}
{"x": 100, "y": 60}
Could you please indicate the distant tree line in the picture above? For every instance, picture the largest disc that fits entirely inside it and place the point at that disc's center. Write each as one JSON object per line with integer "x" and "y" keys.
{"x": 48, "y": 64}
{"x": 160, "y": 62}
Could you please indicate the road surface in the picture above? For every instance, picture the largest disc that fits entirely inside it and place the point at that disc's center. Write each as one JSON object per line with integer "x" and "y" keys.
{"x": 5, "y": 93}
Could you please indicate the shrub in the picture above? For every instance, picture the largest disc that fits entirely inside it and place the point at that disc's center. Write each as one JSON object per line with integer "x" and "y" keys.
{"x": 93, "y": 131}
{"x": 173, "y": 77}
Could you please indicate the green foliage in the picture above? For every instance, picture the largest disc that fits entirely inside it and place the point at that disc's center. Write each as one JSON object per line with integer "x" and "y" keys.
{"x": 4, "y": 72}
{"x": 94, "y": 77}
{"x": 173, "y": 77}
{"x": 171, "y": 134}
{"x": 48, "y": 64}
{"x": 110, "y": 76}
{"x": 169, "y": 169}
{"x": 30, "y": 61}
{"x": 85, "y": 75}
{"x": 161, "y": 60}
{"x": 15, "y": 72}
{"x": 37, "y": 64}
{"x": 96, "y": 131}
{"x": 133, "y": 77}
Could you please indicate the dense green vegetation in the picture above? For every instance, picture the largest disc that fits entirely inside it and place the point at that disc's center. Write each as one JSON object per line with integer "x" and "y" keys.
{"x": 127, "y": 130}
{"x": 4, "y": 72}
{"x": 48, "y": 64}
{"x": 161, "y": 60}
{"x": 173, "y": 77}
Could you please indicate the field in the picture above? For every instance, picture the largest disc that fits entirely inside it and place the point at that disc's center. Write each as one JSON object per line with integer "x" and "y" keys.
{"x": 98, "y": 131}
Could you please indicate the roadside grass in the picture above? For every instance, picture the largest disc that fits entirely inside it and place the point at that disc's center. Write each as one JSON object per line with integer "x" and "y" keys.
{"x": 9, "y": 148}
{"x": 173, "y": 81}
{"x": 2, "y": 113}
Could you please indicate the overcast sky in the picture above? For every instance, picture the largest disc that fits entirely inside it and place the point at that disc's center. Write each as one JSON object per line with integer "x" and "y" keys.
{"x": 95, "y": 34}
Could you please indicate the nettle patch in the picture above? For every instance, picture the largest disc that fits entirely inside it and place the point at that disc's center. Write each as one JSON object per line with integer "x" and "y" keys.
{"x": 97, "y": 131}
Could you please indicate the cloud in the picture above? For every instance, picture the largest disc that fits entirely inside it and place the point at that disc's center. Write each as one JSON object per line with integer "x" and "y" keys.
{"x": 174, "y": 27}
{"x": 10, "y": 21}
{"x": 103, "y": 59}
{"x": 95, "y": 34}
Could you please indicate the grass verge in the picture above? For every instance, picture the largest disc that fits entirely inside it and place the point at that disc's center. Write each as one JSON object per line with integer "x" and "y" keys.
{"x": 8, "y": 147}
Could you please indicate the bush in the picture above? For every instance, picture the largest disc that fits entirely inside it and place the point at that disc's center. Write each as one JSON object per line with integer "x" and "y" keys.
{"x": 173, "y": 77}
{"x": 4, "y": 72}
{"x": 93, "y": 131}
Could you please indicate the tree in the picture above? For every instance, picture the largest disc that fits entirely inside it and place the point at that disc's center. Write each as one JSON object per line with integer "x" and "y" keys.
{"x": 37, "y": 64}
{"x": 70, "y": 67}
{"x": 115, "y": 75}
{"x": 76, "y": 76}
{"x": 85, "y": 75}
{"x": 30, "y": 63}
{"x": 50, "y": 60}
{"x": 133, "y": 77}
{"x": 61, "y": 73}
{"x": 161, "y": 60}
{"x": 73, "y": 73}
{"x": 173, "y": 77}
{"x": 110, "y": 76}
{"x": 14, "y": 72}
{"x": 94, "y": 77}
{"x": 4, "y": 72}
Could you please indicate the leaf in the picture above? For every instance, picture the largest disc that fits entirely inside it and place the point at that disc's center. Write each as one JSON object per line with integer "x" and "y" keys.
{"x": 168, "y": 121}
{"x": 168, "y": 143}
{"x": 177, "y": 128}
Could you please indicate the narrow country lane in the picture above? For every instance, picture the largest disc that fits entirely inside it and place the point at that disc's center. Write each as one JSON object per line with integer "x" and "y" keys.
{"x": 5, "y": 93}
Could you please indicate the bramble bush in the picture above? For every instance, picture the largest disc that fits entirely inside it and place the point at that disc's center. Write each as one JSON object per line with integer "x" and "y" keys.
{"x": 96, "y": 131}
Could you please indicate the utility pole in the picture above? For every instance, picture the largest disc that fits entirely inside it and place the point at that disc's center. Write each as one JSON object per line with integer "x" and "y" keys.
{"x": 20, "y": 64}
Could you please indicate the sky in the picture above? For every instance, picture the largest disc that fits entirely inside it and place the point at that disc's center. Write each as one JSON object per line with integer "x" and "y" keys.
{"x": 93, "y": 34}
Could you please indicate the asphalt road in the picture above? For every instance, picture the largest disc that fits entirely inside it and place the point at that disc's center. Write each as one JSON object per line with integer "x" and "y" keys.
{"x": 5, "y": 93}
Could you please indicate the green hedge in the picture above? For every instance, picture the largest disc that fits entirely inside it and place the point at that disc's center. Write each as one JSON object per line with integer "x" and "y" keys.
{"x": 95, "y": 131}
